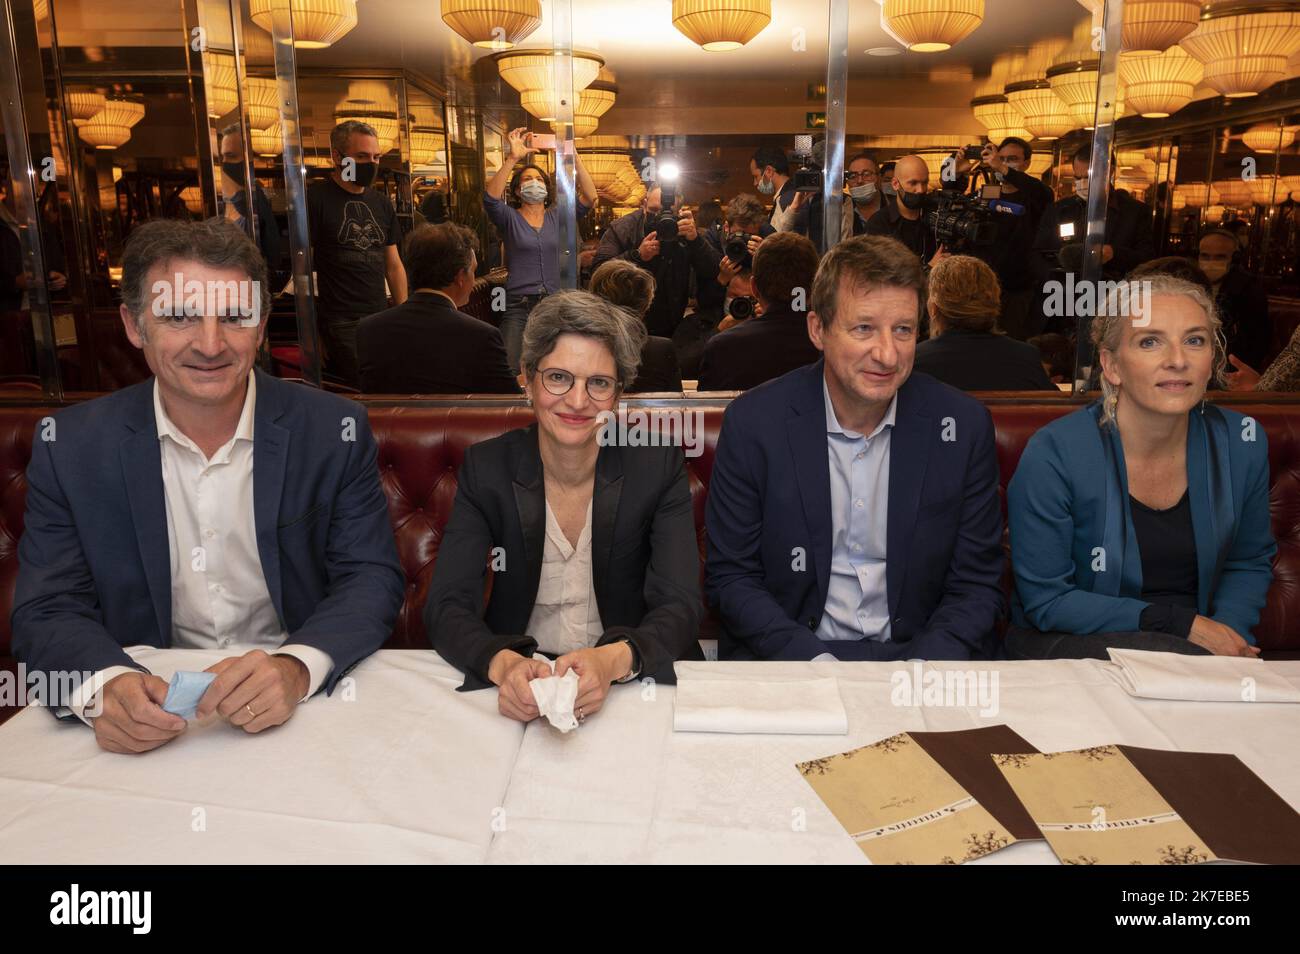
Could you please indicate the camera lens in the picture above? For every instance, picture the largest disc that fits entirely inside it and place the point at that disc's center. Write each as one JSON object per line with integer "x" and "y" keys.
{"x": 741, "y": 308}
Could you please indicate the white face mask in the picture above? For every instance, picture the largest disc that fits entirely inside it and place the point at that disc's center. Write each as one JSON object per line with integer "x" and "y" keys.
{"x": 533, "y": 191}
{"x": 863, "y": 192}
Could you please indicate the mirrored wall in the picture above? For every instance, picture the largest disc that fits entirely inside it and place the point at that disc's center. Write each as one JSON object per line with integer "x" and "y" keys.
{"x": 135, "y": 110}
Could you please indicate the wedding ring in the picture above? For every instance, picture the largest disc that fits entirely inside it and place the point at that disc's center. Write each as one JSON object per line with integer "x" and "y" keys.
{"x": 580, "y": 715}
{"x": 251, "y": 713}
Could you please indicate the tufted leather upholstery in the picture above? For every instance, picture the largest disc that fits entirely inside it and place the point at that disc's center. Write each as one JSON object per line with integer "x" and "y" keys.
{"x": 422, "y": 444}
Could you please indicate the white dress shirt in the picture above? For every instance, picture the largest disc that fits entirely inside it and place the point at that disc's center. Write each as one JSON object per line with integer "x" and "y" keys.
{"x": 219, "y": 595}
{"x": 857, "y": 601}
{"x": 565, "y": 616}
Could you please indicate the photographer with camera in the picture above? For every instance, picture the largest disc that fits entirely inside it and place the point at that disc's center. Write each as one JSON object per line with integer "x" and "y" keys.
{"x": 1021, "y": 202}
{"x": 744, "y": 226}
{"x": 776, "y": 341}
{"x": 770, "y": 168}
{"x": 904, "y": 218}
{"x": 1127, "y": 237}
{"x": 862, "y": 200}
{"x": 662, "y": 238}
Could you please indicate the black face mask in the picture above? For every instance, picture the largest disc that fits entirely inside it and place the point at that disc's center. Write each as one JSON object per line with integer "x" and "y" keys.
{"x": 236, "y": 170}
{"x": 365, "y": 173}
{"x": 912, "y": 200}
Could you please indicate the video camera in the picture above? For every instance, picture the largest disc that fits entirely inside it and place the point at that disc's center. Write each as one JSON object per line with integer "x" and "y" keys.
{"x": 808, "y": 177}
{"x": 960, "y": 222}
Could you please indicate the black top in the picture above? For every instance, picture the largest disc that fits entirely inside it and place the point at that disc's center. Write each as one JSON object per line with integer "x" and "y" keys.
{"x": 427, "y": 346}
{"x": 1170, "y": 578}
{"x": 1243, "y": 306}
{"x": 1128, "y": 232}
{"x": 983, "y": 361}
{"x": 658, "y": 370}
{"x": 914, "y": 233}
{"x": 645, "y": 558}
{"x": 757, "y": 350}
{"x": 349, "y": 233}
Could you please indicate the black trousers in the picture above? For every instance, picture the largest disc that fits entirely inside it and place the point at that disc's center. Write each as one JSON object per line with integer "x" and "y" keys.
{"x": 1025, "y": 643}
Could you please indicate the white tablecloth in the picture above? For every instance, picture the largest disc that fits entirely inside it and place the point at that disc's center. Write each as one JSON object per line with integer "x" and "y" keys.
{"x": 409, "y": 771}
{"x": 625, "y": 788}
{"x": 412, "y": 771}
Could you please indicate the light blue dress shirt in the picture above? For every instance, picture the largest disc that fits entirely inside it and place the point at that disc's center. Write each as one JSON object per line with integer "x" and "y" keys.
{"x": 857, "y": 599}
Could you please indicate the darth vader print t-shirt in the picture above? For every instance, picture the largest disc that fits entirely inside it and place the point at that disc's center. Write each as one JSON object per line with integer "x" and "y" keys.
{"x": 349, "y": 234}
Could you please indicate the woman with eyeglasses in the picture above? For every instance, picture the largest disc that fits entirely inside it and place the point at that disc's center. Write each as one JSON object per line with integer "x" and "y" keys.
{"x": 591, "y": 543}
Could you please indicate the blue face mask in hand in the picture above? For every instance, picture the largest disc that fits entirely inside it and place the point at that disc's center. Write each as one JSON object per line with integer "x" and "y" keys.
{"x": 185, "y": 691}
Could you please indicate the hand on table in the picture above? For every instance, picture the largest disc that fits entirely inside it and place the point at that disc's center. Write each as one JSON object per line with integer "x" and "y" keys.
{"x": 255, "y": 691}
{"x": 1219, "y": 639}
{"x": 596, "y": 669}
{"x": 131, "y": 719}
{"x": 511, "y": 672}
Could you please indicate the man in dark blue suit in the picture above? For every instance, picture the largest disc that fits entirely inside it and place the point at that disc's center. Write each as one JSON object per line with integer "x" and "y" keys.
{"x": 209, "y": 507}
{"x": 853, "y": 507}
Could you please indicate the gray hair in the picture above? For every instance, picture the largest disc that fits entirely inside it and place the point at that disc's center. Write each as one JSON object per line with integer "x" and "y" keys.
{"x": 745, "y": 209}
{"x": 582, "y": 313}
{"x": 343, "y": 132}
{"x": 1108, "y": 328}
{"x": 215, "y": 242}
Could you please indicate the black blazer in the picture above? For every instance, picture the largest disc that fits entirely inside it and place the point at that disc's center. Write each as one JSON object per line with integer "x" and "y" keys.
{"x": 980, "y": 361}
{"x": 659, "y": 371}
{"x": 644, "y": 556}
{"x": 426, "y": 346}
{"x": 757, "y": 350}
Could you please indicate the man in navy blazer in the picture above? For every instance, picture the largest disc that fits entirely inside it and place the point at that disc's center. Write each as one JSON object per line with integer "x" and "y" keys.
{"x": 211, "y": 506}
{"x": 853, "y": 507}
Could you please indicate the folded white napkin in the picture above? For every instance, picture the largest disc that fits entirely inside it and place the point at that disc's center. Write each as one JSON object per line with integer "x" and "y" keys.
{"x": 802, "y": 707}
{"x": 556, "y": 697}
{"x": 1153, "y": 675}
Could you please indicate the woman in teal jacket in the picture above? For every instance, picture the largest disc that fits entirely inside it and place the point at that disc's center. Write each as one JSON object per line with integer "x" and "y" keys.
{"x": 1142, "y": 521}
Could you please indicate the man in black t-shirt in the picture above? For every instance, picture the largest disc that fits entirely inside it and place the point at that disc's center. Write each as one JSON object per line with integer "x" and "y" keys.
{"x": 354, "y": 233}
{"x": 903, "y": 218}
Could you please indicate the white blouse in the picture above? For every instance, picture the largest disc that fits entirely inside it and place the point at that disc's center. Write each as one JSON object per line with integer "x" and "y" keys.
{"x": 565, "y": 616}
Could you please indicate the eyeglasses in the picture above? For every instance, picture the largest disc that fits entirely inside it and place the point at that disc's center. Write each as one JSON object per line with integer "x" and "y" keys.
{"x": 865, "y": 176}
{"x": 558, "y": 381}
